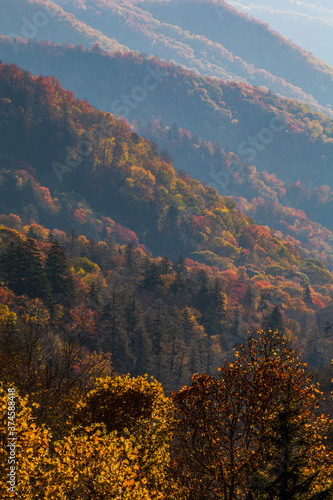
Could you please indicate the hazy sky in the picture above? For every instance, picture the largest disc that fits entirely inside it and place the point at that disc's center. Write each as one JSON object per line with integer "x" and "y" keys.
{"x": 307, "y": 23}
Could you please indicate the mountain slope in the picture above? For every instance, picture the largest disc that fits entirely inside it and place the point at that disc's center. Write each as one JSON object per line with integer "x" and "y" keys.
{"x": 237, "y": 274}
{"x": 116, "y": 171}
{"x": 210, "y": 35}
{"x": 44, "y": 19}
{"x": 255, "y": 43}
{"x": 171, "y": 31}
{"x": 306, "y": 23}
{"x": 297, "y": 211}
{"x": 278, "y": 135}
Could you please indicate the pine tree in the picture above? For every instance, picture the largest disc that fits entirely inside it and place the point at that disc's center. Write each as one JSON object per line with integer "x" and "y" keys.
{"x": 157, "y": 336}
{"x": 21, "y": 267}
{"x": 13, "y": 266}
{"x": 216, "y": 311}
{"x": 249, "y": 297}
{"x": 307, "y": 297}
{"x": 35, "y": 281}
{"x": 152, "y": 276}
{"x": 114, "y": 337}
{"x": 202, "y": 298}
{"x": 139, "y": 341}
{"x": 129, "y": 256}
{"x": 166, "y": 265}
{"x": 179, "y": 265}
{"x": 276, "y": 321}
{"x": 57, "y": 272}
{"x": 288, "y": 470}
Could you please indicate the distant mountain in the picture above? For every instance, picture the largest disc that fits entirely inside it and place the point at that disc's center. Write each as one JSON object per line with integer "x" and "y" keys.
{"x": 44, "y": 19}
{"x": 251, "y": 41}
{"x": 307, "y": 23}
{"x": 202, "y": 36}
{"x": 274, "y": 134}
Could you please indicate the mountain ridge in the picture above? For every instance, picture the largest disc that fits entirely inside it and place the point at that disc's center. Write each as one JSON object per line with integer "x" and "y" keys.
{"x": 264, "y": 58}
{"x": 231, "y": 114}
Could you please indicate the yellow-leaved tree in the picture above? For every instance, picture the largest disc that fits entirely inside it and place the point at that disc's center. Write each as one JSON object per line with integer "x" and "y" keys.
{"x": 23, "y": 446}
{"x": 119, "y": 449}
{"x": 137, "y": 410}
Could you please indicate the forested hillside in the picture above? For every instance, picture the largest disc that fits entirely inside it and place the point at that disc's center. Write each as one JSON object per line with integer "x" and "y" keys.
{"x": 258, "y": 45}
{"x": 309, "y": 24}
{"x": 298, "y": 210}
{"x": 44, "y": 19}
{"x": 275, "y": 134}
{"x": 81, "y": 172}
{"x": 201, "y": 38}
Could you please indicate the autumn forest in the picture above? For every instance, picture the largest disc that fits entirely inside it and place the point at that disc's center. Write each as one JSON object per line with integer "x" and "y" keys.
{"x": 166, "y": 264}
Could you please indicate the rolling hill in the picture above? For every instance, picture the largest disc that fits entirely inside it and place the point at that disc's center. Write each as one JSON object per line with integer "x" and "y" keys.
{"x": 123, "y": 279}
{"x": 44, "y": 19}
{"x": 274, "y": 134}
{"x": 308, "y": 24}
{"x": 171, "y": 31}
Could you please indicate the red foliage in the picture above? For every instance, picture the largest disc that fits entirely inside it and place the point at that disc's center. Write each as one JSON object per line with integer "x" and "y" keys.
{"x": 3, "y": 295}
{"x": 80, "y": 215}
{"x": 124, "y": 235}
{"x": 318, "y": 302}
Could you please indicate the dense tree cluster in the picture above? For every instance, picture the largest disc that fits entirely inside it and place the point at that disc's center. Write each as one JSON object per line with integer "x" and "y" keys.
{"x": 168, "y": 318}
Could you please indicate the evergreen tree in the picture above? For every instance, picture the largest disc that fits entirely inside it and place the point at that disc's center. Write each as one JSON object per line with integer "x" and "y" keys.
{"x": 129, "y": 256}
{"x": 249, "y": 297}
{"x": 140, "y": 344}
{"x": 174, "y": 326}
{"x": 179, "y": 265}
{"x": 35, "y": 280}
{"x": 166, "y": 265}
{"x": 152, "y": 276}
{"x": 286, "y": 472}
{"x": 114, "y": 337}
{"x": 202, "y": 298}
{"x": 216, "y": 311}
{"x": 178, "y": 286}
{"x": 31, "y": 233}
{"x": 157, "y": 336}
{"x": 57, "y": 272}
{"x": 276, "y": 320}
{"x": 307, "y": 297}
{"x": 21, "y": 267}
{"x": 13, "y": 266}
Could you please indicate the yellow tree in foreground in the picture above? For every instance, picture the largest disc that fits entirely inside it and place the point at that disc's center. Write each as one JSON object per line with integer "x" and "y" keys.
{"x": 97, "y": 465}
{"x": 122, "y": 455}
{"x": 140, "y": 414}
{"x": 252, "y": 432}
{"x": 23, "y": 448}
